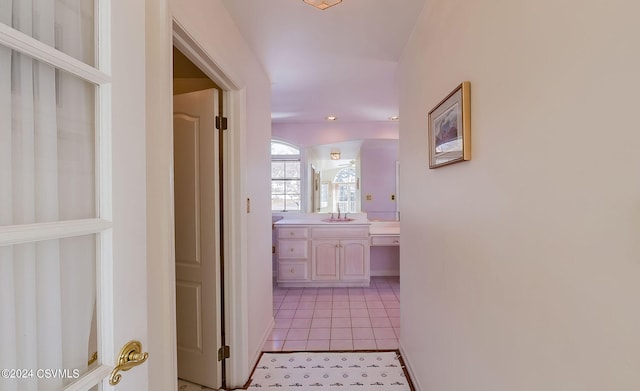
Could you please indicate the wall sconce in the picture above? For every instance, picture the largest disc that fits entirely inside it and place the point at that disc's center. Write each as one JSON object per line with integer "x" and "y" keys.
{"x": 335, "y": 155}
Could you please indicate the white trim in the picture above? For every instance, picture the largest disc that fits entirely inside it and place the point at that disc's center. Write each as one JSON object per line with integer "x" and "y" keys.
{"x": 104, "y": 298}
{"x": 237, "y": 305}
{"x": 385, "y": 272}
{"x": 16, "y": 234}
{"x": 263, "y": 341}
{"x": 104, "y": 148}
{"x": 89, "y": 379}
{"x": 23, "y": 43}
{"x": 161, "y": 280}
{"x": 305, "y": 195}
{"x": 194, "y": 52}
{"x": 105, "y": 311}
{"x": 236, "y": 302}
{"x": 397, "y": 190}
{"x": 407, "y": 364}
{"x": 103, "y": 32}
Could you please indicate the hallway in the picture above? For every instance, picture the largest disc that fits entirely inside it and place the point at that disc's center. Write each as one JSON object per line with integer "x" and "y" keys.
{"x": 316, "y": 319}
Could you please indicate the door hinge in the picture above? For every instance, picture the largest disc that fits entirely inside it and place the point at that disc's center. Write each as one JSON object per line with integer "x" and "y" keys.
{"x": 221, "y": 123}
{"x": 223, "y": 353}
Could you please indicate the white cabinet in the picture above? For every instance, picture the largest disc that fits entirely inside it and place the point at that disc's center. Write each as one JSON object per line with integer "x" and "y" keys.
{"x": 385, "y": 240}
{"x": 339, "y": 256}
{"x": 340, "y": 260}
{"x": 293, "y": 254}
{"x": 354, "y": 260}
{"x": 325, "y": 260}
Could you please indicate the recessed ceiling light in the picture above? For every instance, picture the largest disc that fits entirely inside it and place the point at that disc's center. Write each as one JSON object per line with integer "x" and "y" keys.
{"x": 332, "y": 118}
{"x": 322, "y": 4}
{"x": 394, "y": 118}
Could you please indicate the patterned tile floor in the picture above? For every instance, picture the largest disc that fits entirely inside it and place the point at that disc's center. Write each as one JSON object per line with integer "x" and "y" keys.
{"x": 315, "y": 319}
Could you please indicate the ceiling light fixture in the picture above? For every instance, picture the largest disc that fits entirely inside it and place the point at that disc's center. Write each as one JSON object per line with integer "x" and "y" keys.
{"x": 335, "y": 155}
{"x": 332, "y": 118}
{"x": 322, "y": 4}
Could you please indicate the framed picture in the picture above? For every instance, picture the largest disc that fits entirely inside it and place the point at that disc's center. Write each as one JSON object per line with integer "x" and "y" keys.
{"x": 450, "y": 128}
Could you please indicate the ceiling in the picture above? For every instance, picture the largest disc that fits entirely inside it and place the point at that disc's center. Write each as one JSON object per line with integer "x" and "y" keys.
{"x": 341, "y": 61}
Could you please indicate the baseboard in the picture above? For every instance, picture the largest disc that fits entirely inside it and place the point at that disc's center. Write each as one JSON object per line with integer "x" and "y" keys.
{"x": 407, "y": 363}
{"x": 265, "y": 337}
{"x": 385, "y": 273}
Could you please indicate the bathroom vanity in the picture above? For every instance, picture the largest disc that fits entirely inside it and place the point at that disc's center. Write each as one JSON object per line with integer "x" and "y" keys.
{"x": 320, "y": 252}
{"x": 316, "y": 253}
{"x": 385, "y": 233}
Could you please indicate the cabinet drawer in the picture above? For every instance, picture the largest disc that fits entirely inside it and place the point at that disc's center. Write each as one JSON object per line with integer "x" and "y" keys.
{"x": 384, "y": 240}
{"x": 340, "y": 233}
{"x": 293, "y": 233}
{"x": 292, "y": 271}
{"x": 293, "y": 249}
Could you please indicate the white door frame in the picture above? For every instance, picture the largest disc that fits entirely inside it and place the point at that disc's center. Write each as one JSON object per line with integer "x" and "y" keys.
{"x": 163, "y": 33}
{"x": 236, "y": 329}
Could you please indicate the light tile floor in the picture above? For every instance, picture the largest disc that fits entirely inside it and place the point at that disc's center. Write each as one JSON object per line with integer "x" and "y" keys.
{"x": 337, "y": 318}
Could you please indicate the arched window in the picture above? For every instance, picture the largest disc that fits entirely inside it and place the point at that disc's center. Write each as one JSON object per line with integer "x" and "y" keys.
{"x": 285, "y": 177}
{"x": 346, "y": 185}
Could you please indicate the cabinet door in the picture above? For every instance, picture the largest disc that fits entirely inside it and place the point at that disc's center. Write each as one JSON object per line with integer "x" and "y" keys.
{"x": 325, "y": 262}
{"x": 354, "y": 256}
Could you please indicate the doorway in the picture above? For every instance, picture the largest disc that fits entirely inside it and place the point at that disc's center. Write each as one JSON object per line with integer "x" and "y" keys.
{"x": 198, "y": 199}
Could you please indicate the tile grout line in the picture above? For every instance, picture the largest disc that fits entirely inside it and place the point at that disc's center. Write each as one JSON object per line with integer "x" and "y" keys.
{"x": 386, "y": 327}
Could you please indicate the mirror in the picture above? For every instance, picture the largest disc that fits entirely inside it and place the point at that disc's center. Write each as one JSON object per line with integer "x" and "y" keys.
{"x": 363, "y": 179}
{"x": 335, "y": 173}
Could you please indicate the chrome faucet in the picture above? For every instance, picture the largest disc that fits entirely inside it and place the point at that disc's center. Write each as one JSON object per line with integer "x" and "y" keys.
{"x": 338, "y": 211}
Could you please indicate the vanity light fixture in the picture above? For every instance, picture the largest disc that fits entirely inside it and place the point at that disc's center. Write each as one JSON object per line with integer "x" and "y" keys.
{"x": 335, "y": 155}
{"x": 322, "y": 4}
{"x": 332, "y": 118}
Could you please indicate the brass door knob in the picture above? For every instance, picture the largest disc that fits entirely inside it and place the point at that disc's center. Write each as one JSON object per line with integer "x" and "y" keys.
{"x": 131, "y": 355}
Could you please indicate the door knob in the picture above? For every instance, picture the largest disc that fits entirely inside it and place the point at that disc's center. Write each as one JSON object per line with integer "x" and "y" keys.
{"x": 131, "y": 355}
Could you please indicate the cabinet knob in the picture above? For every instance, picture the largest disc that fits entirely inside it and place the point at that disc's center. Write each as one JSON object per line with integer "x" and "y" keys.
{"x": 293, "y": 270}
{"x": 290, "y": 233}
{"x": 291, "y": 249}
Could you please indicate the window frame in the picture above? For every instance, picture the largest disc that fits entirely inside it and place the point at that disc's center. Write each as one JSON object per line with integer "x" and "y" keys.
{"x": 301, "y": 158}
{"x": 351, "y": 185}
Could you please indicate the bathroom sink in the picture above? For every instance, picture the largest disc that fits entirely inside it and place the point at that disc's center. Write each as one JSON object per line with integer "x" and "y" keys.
{"x": 334, "y": 220}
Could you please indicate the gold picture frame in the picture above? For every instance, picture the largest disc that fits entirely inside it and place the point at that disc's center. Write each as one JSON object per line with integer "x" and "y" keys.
{"x": 450, "y": 128}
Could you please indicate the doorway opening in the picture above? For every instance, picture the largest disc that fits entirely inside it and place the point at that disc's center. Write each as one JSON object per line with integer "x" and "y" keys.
{"x": 199, "y": 221}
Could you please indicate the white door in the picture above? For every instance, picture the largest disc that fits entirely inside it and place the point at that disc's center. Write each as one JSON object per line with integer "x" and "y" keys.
{"x": 197, "y": 236}
{"x": 72, "y": 250}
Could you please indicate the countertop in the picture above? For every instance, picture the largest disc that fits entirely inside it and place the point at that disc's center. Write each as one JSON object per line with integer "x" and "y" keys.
{"x": 375, "y": 227}
{"x": 384, "y": 228}
{"x": 303, "y": 221}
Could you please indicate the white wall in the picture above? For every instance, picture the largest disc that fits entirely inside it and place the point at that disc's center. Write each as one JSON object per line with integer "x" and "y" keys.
{"x": 378, "y": 159}
{"x": 309, "y": 134}
{"x": 520, "y": 268}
